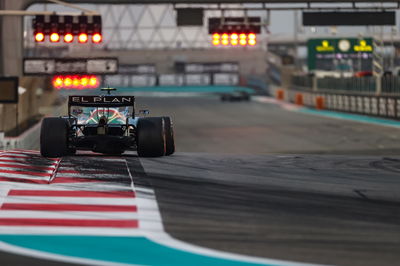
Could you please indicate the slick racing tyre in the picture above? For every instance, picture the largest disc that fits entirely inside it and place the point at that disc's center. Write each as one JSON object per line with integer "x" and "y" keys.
{"x": 151, "y": 140}
{"x": 54, "y": 137}
{"x": 169, "y": 136}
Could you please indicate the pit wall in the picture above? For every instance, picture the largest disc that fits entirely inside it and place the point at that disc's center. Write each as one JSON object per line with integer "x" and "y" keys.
{"x": 366, "y": 104}
{"x": 35, "y": 100}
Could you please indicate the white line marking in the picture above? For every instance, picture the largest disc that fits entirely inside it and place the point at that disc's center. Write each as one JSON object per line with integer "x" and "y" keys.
{"x": 64, "y": 230}
{"x": 71, "y": 200}
{"x": 69, "y": 215}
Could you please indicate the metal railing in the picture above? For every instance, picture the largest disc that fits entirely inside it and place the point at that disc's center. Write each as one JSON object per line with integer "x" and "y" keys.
{"x": 390, "y": 85}
{"x": 354, "y": 84}
{"x": 387, "y": 106}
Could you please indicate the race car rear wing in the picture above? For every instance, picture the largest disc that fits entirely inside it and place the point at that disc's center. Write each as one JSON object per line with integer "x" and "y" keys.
{"x": 101, "y": 101}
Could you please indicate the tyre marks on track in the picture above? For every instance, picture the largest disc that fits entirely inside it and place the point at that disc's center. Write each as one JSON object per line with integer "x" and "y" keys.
{"x": 89, "y": 195}
{"x": 27, "y": 167}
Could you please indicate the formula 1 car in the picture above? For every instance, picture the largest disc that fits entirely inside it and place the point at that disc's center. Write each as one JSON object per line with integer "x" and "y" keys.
{"x": 235, "y": 96}
{"x": 106, "y": 124}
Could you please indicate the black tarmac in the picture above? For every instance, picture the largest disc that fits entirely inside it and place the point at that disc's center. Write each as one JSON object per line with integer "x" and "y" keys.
{"x": 255, "y": 179}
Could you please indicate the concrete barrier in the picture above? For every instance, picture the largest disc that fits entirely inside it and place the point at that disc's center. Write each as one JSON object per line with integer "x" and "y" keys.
{"x": 27, "y": 140}
{"x": 30, "y": 139}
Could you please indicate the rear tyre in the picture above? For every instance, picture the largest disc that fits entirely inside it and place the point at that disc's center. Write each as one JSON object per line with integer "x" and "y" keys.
{"x": 54, "y": 137}
{"x": 151, "y": 137}
{"x": 169, "y": 136}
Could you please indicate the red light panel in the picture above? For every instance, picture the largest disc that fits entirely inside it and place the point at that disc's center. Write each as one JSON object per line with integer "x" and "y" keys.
{"x": 234, "y": 39}
{"x": 83, "y": 38}
{"x": 77, "y": 82}
{"x": 39, "y": 37}
{"x": 54, "y": 37}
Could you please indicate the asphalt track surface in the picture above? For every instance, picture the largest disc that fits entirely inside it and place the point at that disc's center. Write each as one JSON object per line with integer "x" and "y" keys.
{"x": 256, "y": 179}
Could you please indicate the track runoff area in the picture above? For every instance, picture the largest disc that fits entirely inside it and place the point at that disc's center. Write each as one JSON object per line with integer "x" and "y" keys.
{"x": 91, "y": 209}
{"x": 207, "y": 208}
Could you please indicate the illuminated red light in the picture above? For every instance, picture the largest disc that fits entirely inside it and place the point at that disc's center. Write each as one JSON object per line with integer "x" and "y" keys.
{"x": 84, "y": 81}
{"x": 93, "y": 81}
{"x": 67, "y": 81}
{"x": 234, "y": 36}
{"x": 83, "y": 38}
{"x": 97, "y": 38}
{"x": 68, "y": 38}
{"x": 57, "y": 82}
{"x": 216, "y": 42}
{"x": 252, "y": 39}
{"x": 225, "y": 39}
{"x": 252, "y": 36}
{"x": 76, "y": 81}
{"x": 216, "y": 39}
{"x": 39, "y": 37}
{"x": 54, "y": 37}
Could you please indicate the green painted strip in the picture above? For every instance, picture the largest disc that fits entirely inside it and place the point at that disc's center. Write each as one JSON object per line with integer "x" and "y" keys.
{"x": 129, "y": 250}
{"x": 352, "y": 117}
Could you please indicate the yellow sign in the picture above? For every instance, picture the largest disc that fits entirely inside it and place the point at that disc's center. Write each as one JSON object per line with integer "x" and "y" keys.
{"x": 363, "y": 47}
{"x": 325, "y": 47}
